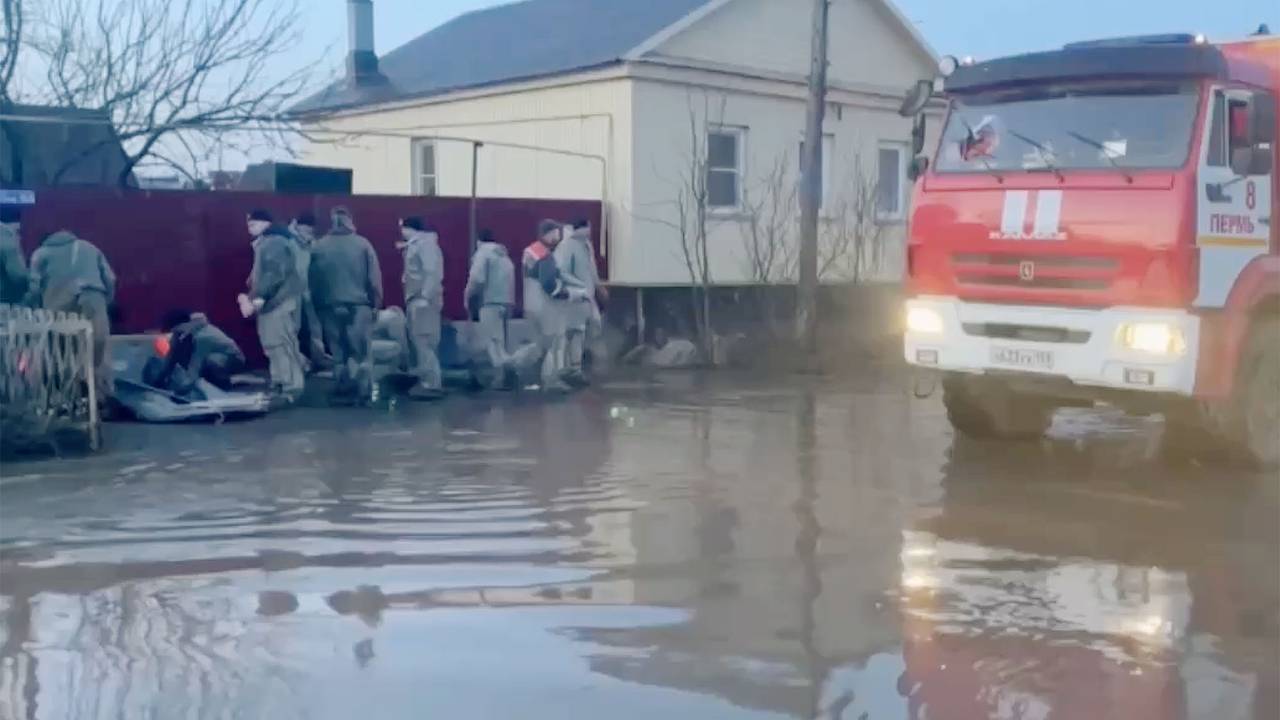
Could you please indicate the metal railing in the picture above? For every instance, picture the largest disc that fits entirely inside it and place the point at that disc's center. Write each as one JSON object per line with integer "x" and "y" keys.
{"x": 47, "y": 379}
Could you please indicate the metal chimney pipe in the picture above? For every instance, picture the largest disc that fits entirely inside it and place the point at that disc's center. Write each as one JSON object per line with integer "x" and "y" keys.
{"x": 362, "y": 62}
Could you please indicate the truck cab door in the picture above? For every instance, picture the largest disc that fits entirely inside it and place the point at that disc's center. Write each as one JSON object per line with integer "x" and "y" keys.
{"x": 1233, "y": 208}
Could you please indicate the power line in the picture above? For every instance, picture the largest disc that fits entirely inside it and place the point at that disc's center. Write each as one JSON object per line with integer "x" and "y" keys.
{"x": 406, "y": 133}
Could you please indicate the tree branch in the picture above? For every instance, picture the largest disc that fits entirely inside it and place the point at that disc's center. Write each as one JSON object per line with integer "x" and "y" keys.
{"x": 171, "y": 74}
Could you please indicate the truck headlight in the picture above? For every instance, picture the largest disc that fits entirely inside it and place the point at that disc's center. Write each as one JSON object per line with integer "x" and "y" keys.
{"x": 924, "y": 320}
{"x": 1156, "y": 338}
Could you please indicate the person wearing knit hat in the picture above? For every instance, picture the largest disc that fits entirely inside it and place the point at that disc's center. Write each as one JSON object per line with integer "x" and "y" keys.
{"x": 423, "y": 280}
{"x": 275, "y": 289}
{"x": 346, "y": 287}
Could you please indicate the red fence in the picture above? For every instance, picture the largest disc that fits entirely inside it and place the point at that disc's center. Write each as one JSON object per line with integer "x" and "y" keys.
{"x": 177, "y": 249}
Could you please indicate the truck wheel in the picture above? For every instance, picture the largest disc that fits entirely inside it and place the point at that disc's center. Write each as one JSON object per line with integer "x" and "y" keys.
{"x": 1256, "y": 408}
{"x": 988, "y": 410}
{"x": 1190, "y": 434}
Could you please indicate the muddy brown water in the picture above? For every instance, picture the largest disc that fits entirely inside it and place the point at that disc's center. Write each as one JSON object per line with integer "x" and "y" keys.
{"x": 684, "y": 547}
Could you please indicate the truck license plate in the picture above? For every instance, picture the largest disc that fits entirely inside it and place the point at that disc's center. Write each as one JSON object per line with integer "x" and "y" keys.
{"x": 1022, "y": 359}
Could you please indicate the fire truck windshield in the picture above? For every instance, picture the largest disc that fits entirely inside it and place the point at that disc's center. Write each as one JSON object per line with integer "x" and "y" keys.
{"x": 1093, "y": 126}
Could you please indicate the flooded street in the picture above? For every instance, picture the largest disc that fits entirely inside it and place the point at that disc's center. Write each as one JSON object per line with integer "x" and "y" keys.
{"x": 706, "y": 547}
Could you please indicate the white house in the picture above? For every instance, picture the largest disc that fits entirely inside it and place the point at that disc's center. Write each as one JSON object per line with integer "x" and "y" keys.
{"x": 628, "y": 101}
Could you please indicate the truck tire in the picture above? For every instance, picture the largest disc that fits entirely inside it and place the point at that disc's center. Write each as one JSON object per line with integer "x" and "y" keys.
{"x": 1255, "y": 416}
{"x": 987, "y": 410}
{"x": 1190, "y": 434}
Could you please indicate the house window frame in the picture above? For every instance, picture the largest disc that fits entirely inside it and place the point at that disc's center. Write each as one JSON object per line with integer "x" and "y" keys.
{"x": 419, "y": 187}
{"x": 828, "y": 170}
{"x": 899, "y": 215}
{"x": 739, "y": 133}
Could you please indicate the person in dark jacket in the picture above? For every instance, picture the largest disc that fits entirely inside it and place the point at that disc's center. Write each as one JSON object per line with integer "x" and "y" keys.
{"x": 274, "y": 293}
{"x": 13, "y": 264}
{"x": 196, "y": 349}
{"x": 346, "y": 287}
{"x": 311, "y": 337}
{"x": 69, "y": 274}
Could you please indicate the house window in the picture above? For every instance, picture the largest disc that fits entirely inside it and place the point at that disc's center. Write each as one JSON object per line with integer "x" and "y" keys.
{"x": 824, "y": 183}
{"x": 724, "y": 168}
{"x": 891, "y": 172}
{"x": 424, "y": 167}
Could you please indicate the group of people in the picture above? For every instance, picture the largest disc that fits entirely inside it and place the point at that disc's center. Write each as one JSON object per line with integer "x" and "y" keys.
{"x": 66, "y": 274}
{"x": 324, "y": 295}
{"x": 316, "y": 302}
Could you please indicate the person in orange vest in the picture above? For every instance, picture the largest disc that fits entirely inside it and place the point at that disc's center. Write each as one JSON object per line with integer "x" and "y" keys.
{"x": 547, "y": 292}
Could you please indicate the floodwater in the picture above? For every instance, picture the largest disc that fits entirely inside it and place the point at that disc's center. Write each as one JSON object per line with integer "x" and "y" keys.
{"x": 704, "y": 547}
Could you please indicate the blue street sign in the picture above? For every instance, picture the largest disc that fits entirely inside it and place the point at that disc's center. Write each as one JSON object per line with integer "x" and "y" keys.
{"x": 17, "y": 197}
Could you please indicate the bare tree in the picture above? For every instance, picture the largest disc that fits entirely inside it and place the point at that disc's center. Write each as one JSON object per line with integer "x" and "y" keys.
{"x": 10, "y": 44}
{"x": 10, "y": 48}
{"x": 852, "y": 238}
{"x": 850, "y": 241}
{"x": 769, "y": 240}
{"x": 769, "y": 218}
{"x": 690, "y": 217}
{"x": 174, "y": 76}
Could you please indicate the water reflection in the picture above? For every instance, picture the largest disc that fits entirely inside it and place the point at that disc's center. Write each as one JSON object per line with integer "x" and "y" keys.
{"x": 702, "y": 549}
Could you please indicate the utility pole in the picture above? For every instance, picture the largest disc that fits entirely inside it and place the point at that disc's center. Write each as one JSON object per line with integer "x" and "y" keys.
{"x": 811, "y": 185}
{"x": 475, "y": 175}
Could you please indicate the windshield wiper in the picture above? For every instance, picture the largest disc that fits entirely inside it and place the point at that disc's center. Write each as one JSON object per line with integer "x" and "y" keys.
{"x": 973, "y": 136}
{"x": 1106, "y": 153}
{"x": 1046, "y": 155}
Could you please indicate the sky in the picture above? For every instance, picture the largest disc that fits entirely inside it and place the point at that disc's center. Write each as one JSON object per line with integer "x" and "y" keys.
{"x": 981, "y": 28}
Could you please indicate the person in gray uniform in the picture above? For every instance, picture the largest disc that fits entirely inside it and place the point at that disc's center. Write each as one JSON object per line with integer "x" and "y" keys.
{"x": 489, "y": 295}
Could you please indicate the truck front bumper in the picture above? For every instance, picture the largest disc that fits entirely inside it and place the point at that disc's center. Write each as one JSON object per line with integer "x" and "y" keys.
{"x": 1086, "y": 347}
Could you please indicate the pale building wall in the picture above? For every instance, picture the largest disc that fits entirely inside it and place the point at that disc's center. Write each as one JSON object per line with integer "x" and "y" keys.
{"x": 590, "y": 116}
{"x": 752, "y": 54}
{"x": 866, "y": 47}
{"x": 873, "y": 59}
{"x": 772, "y": 127}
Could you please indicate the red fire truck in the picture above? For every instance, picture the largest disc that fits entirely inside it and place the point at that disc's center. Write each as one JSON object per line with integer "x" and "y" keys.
{"x": 1095, "y": 225}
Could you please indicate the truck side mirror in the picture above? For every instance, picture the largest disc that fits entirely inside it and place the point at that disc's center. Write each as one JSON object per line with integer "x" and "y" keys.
{"x": 918, "y": 167}
{"x": 918, "y": 96}
{"x": 917, "y": 134}
{"x": 1254, "y": 160}
{"x": 1253, "y": 122}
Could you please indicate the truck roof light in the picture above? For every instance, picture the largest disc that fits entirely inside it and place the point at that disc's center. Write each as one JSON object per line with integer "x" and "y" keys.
{"x": 1166, "y": 39}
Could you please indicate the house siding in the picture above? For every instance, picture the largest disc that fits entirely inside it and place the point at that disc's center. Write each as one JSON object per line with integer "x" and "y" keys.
{"x": 866, "y": 45}
{"x": 772, "y": 132}
{"x": 752, "y": 55}
{"x": 589, "y": 116}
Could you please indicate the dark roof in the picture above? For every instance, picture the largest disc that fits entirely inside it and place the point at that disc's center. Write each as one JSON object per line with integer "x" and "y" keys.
{"x": 526, "y": 39}
{"x": 1095, "y": 60}
{"x": 59, "y": 146}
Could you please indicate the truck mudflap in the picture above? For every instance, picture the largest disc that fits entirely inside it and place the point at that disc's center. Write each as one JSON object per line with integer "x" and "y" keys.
{"x": 1142, "y": 349}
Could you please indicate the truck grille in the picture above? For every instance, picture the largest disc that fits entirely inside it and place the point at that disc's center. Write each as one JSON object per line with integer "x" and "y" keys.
{"x": 1043, "y": 272}
{"x": 1031, "y": 333}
